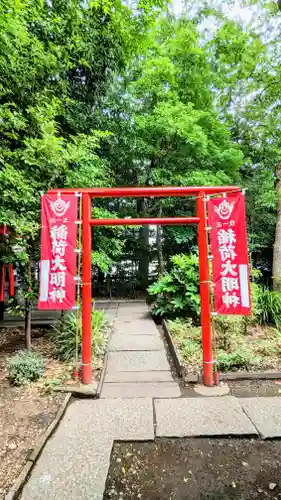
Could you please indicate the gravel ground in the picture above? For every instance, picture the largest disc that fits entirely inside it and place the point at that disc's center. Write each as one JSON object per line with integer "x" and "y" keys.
{"x": 25, "y": 412}
{"x": 195, "y": 469}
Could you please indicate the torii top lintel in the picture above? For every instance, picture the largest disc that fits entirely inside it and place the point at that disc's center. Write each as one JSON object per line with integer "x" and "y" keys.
{"x": 120, "y": 192}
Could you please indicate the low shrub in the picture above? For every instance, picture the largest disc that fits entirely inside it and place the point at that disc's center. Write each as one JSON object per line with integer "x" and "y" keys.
{"x": 242, "y": 358}
{"x": 64, "y": 336}
{"x": 24, "y": 367}
{"x": 177, "y": 292}
{"x": 233, "y": 352}
{"x": 228, "y": 329}
{"x": 267, "y": 307}
{"x": 188, "y": 340}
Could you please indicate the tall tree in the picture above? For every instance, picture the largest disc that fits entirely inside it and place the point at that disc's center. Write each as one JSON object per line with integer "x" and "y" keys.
{"x": 56, "y": 61}
{"x": 165, "y": 129}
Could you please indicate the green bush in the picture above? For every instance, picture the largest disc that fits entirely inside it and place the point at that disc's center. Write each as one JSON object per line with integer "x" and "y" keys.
{"x": 235, "y": 360}
{"x": 267, "y": 307}
{"x": 64, "y": 336}
{"x": 177, "y": 292}
{"x": 24, "y": 367}
{"x": 188, "y": 339}
{"x": 233, "y": 353}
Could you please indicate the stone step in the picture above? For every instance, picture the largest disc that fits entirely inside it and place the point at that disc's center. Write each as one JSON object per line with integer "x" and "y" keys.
{"x": 211, "y": 416}
{"x": 141, "y": 390}
{"x": 121, "y": 342}
{"x": 137, "y": 361}
{"x": 150, "y": 376}
{"x": 134, "y": 314}
{"x": 141, "y": 327}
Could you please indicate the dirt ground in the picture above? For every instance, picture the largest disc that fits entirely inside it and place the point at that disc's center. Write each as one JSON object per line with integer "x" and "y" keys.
{"x": 195, "y": 469}
{"x": 25, "y": 412}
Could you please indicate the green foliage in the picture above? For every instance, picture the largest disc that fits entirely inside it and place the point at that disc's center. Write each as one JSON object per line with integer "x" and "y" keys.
{"x": 188, "y": 340}
{"x": 234, "y": 349}
{"x": 228, "y": 329}
{"x": 177, "y": 292}
{"x": 56, "y": 62}
{"x": 64, "y": 336}
{"x": 268, "y": 308}
{"x": 24, "y": 367}
{"x": 241, "y": 358}
{"x": 109, "y": 241}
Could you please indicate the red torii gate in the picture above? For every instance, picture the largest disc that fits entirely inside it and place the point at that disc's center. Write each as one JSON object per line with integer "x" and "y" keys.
{"x": 124, "y": 192}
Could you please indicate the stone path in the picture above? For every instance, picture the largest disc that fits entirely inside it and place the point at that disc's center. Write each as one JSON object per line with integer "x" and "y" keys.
{"x": 137, "y": 363}
{"x": 75, "y": 461}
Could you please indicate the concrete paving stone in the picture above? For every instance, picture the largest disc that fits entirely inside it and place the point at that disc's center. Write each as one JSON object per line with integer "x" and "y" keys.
{"x": 142, "y": 327}
{"x": 157, "y": 376}
{"x": 134, "y": 319}
{"x": 120, "y": 419}
{"x": 141, "y": 390}
{"x": 110, "y": 304}
{"x": 69, "y": 469}
{"x": 201, "y": 417}
{"x": 120, "y": 342}
{"x": 136, "y": 306}
{"x": 135, "y": 361}
{"x": 133, "y": 316}
{"x": 75, "y": 461}
{"x": 265, "y": 413}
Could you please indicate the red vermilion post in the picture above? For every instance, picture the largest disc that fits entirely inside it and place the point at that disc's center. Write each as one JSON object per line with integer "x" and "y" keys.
{"x": 205, "y": 294}
{"x": 86, "y": 290}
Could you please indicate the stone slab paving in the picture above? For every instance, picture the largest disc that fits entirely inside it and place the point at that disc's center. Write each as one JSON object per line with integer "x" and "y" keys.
{"x": 138, "y": 327}
{"x": 70, "y": 470}
{"x": 134, "y": 361}
{"x": 201, "y": 417}
{"x": 121, "y": 342}
{"x": 157, "y": 376}
{"x": 75, "y": 461}
{"x": 136, "y": 354}
{"x": 141, "y": 390}
{"x": 265, "y": 413}
{"x": 127, "y": 312}
{"x": 134, "y": 305}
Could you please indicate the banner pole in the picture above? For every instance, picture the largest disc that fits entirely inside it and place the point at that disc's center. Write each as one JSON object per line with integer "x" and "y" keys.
{"x": 86, "y": 290}
{"x": 205, "y": 294}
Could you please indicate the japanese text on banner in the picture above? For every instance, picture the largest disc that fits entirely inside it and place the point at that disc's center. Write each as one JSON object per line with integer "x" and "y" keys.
{"x": 230, "y": 254}
{"x": 58, "y": 257}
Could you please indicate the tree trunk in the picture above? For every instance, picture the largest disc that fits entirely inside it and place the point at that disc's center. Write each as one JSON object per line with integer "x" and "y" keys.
{"x": 143, "y": 248}
{"x": 159, "y": 247}
{"x": 27, "y": 319}
{"x": 144, "y": 257}
{"x": 276, "y": 268}
{"x": 27, "y": 325}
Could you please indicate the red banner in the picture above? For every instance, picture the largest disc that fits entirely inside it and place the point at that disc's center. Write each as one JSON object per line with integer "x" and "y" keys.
{"x": 58, "y": 256}
{"x": 227, "y": 219}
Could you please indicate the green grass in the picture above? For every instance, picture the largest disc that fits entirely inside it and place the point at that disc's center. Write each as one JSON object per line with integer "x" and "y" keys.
{"x": 64, "y": 336}
{"x": 255, "y": 348}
